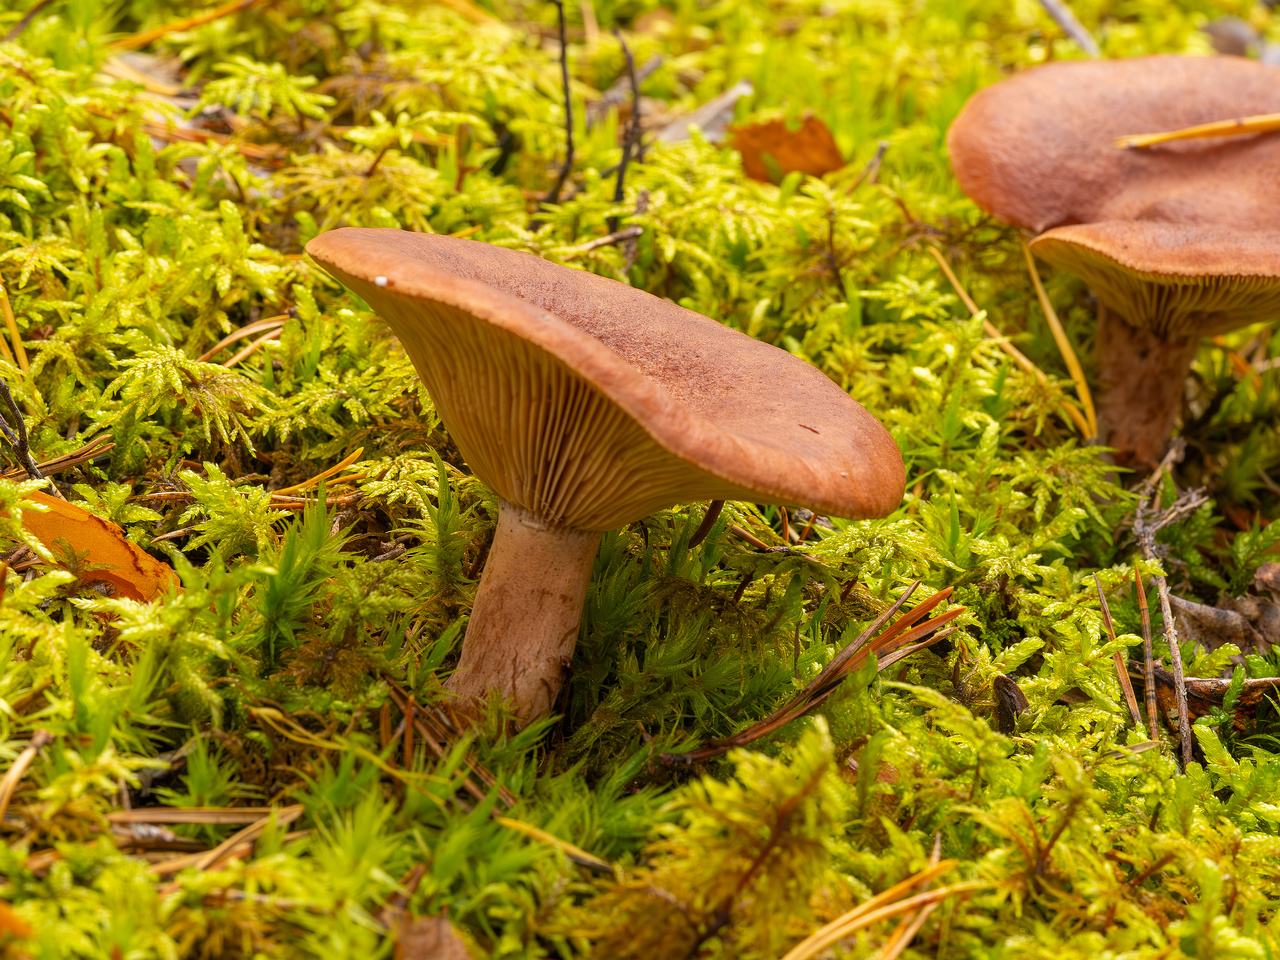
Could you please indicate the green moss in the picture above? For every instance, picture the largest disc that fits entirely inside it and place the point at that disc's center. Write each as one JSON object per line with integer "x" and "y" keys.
{"x": 129, "y": 251}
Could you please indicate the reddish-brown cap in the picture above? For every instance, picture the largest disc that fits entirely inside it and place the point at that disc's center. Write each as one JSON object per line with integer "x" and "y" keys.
{"x": 1176, "y": 279}
{"x": 593, "y": 404}
{"x": 1166, "y": 235}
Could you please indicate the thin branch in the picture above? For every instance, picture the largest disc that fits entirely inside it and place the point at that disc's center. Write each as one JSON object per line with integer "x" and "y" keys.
{"x": 1122, "y": 669}
{"x": 1148, "y": 661}
{"x": 872, "y": 169}
{"x": 20, "y": 442}
{"x": 1148, "y": 520}
{"x": 633, "y": 129}
{"x": 708, "y": 521}
{"x": 620, "y": 90}
{"x": 148, "y": 37}
{"x": 626, "y": 233}
{"x": 16, "y": 31}
{"x": 1073, "y": 28}
{"x": 554, "y": 195}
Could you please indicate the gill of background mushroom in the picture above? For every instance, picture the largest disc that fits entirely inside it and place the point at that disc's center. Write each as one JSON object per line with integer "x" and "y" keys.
{"x": 585, "y": 404}
{"x": 1177, "y": 242}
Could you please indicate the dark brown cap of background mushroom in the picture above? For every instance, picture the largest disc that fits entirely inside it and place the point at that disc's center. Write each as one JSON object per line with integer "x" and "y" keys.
{"x": 1038, "y": 149}
{"x": 1177, "y": 241}
{"x": 585, "y": 405}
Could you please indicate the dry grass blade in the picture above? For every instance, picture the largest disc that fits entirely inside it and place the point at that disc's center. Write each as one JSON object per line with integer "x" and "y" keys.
{"x": 1122, "y": 670}
{"x": 889, "y": 644}
{"x": 11, "y": 324}
{"x": 992, "y": 331}
{"x": 261, "y": 153}
{"x": 283, "y": 816}
{"x": 1064, "y": 345}
{"x": 252, "y": 348}
{"x": 200, "y": 815}
{"x": 1148, "y": 659}
{"x": 139, "y": 40}
{"x": 13, "y": 776}
{"x": 574, "y": 853}
{"x": 324, "y": 475}
{"x": 1260, "y": 123}
{"x": 910, "y": 926}
{"x": 436, "y": 730}
{"x": 264, "y": 325}
{"x": 858, "y": 917}
{"x": 90, "y": 451}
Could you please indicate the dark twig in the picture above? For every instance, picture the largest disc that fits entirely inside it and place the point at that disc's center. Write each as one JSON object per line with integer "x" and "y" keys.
{"x": 888, "y": 644}
{"x": 17, "y": 29}
{"x": 1122, "y": 670}
{"x": 872, "y": 169}
{"x": 621, "y": 89}
{"x": 708, "y": 521}
{"x": 633, "y": 129}
{"x": 1063, "y": 17}
{"x": 1148, "y": 660}
{"x": 1148, "y": 520}
{"x": 626, "y": 233}
{"x": 20, "y": 442}
{"x": 554, "y": 195}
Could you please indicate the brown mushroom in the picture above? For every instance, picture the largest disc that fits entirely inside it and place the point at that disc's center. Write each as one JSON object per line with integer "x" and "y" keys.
{"x": 1178, "y": 241}
{"x": 586, "y": 404}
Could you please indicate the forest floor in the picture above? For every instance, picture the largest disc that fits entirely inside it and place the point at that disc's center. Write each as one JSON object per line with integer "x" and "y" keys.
{"x": 261, "y": 762}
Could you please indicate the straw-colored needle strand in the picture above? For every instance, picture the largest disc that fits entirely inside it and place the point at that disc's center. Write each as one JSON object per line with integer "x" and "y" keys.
{"x": 1064, "y": 345}
{"x": 1261, "y": 123}
{"x": 11, "y": 322}
{"x": 332, "y": 471}
{"x": 992, "y": 331}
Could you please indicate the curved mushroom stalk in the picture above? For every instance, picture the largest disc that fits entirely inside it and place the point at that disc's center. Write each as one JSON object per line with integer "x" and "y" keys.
{"x": 524, "y": 623}
{"x": 1142, "y": 377}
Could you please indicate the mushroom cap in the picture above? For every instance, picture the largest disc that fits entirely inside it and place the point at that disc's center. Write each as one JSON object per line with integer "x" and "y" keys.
{"x": 1193, "y": 218}
{"x": 1175, "y": 279}
{"x": 593, "y": 404}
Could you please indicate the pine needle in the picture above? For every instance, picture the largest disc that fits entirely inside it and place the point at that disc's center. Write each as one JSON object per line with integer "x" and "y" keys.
{"x": 1122, "y": 669}
{"x": 1064, "y": 345}
{"x": 147, "y": 37}
{"x": 324, "y": 475}
{"x": 12, "y": 324}
{"x": 880, "y": 907}
{"x": 1259, "y": 123}
{"x": 992, "y": 331}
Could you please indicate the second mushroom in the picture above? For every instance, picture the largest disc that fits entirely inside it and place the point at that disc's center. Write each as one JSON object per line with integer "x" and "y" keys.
{"x": 1177, "y": 242}
{"x": 585, "y": 404}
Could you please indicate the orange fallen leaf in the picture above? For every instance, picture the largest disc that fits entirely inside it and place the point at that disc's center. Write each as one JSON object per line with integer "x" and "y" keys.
{"x": 134, "y": 573}
{"x": 771, "y": 150}
{"x": 12, "y": 924}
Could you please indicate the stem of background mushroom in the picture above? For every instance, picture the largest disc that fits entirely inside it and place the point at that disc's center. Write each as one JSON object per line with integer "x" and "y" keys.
{"x": 1142, "y": 376}
{"x": 524, "y": 623}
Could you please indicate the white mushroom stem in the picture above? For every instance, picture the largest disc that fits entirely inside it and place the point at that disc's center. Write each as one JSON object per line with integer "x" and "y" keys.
{"x": 1142, "y": 376}
{"x": 524, "y": 623}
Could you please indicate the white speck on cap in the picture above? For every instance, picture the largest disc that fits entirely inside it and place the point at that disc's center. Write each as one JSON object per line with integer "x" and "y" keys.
{"x": 380, "y": 281}
{"x": 843, "y": 473}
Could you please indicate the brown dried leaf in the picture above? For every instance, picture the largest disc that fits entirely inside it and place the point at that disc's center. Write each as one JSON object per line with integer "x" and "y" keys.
{"x": 772, "y": 150}
{"x": 1213, "y": 626}
{"x": 430, "y": 938}
{"x": 1011, "y": 703}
